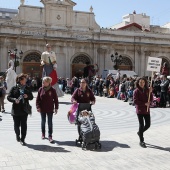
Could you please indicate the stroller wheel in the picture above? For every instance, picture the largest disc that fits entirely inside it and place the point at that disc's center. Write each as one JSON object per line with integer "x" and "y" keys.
{"x": 76, "y": 142}
{"x": 96, "y": 146}
{"x": 99, "y": 145}
{"x": 84, "y": 146}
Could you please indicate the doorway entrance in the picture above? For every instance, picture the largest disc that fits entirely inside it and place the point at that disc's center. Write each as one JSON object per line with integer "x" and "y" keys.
{"x": 78, "y": 65}
{"x": 31, "y": 65}
{"x": 125, "y": 64}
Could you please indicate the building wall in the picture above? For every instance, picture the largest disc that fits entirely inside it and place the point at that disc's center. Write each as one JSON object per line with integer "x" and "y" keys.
{"x": 74, "y": 33}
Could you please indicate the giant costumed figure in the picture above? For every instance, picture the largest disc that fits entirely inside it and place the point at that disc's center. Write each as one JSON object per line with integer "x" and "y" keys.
{"x": 90, "y": 71}
{"x": 10, "y": 74}
{"x": 49, "y": 63}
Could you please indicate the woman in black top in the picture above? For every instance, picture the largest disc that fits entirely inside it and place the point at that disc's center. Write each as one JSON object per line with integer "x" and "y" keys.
{"x": 19, "y": 96}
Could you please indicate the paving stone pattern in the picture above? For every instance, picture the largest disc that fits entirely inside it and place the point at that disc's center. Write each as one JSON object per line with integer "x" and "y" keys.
{"x": 120, "y": 144}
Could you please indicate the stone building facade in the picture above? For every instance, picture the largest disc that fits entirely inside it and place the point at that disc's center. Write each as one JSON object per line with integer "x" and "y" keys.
{"x": 77, "y": 38}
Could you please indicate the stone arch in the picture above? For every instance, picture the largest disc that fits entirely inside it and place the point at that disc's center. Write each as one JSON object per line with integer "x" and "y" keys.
{"x": 32, "y": 57}
{"x": 81, "y": 58}
{"x": 165, "y": 59}
{"x": 78, "y": 62}
{"x": 126, "y": 63}
{"x": 31, "y": 63}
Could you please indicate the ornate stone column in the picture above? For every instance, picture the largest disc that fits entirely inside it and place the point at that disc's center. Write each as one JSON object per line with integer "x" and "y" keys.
{"x": 147, "y": 53}
{"x": 102, "y": 58}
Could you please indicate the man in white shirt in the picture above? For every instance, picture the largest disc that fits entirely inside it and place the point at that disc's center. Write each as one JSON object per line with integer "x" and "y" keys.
{"x": 48, "y": 60}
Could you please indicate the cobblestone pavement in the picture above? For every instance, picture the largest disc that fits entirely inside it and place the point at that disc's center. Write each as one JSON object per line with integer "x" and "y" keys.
{"x": 120, "y": 144}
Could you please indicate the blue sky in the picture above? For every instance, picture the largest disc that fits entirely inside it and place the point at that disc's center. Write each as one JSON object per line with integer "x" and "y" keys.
{"x": 110, "y": 12}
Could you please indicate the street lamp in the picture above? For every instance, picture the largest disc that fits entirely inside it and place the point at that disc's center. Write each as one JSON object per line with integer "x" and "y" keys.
{"x": 15, "y": 57}
{"x": 116, "y": 59}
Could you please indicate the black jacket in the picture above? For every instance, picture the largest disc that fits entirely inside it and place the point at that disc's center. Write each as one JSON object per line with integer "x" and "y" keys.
{"x": 18, "y": 109}
{"x": 164, "y": 85}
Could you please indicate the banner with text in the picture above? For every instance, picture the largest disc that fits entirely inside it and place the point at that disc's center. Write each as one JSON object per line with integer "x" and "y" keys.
{"x": 154, "y": 64}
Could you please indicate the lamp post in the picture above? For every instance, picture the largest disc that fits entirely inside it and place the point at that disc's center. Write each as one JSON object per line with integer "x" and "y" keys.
{"x": 15, "y": 57}
{"x": 116, "y": 59}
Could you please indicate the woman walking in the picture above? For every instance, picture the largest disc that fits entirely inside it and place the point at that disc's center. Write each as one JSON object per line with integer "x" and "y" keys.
{"x": 46, "y": 100}
{"x": 19, "y": 95}
{"x": 140, "y": 98}
{"x": 83, "y": 94}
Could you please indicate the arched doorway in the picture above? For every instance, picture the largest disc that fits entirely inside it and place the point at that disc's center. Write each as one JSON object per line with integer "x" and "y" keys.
{"x": 31, "y": 64}
{"x": 78, "y": 64}
{"x": 125, "y": 64}
{"x": 167, "y": 62}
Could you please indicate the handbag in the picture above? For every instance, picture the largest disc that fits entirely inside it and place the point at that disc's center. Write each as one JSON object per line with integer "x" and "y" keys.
{"x": 28, "y": 108}
{"x": 72, "y": 114}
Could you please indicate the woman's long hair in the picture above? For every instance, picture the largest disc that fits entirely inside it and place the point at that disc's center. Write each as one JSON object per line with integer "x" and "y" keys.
{"x": 145, "y": 80}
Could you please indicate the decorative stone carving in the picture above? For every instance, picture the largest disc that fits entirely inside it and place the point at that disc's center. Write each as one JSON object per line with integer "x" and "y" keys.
{"x": 147, "y": 53}
{"x": 138, "y": 50}
{"x": 58, "y": 17}
{"x": 91, "y": 9}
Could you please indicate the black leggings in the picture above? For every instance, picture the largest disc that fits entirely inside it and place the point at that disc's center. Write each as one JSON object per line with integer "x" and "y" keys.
{"x": 20, "y": 121}
{"x": 142, "y": 127}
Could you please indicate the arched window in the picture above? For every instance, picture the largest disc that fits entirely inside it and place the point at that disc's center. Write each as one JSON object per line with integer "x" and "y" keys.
{"x": 125, "y": 61}
{"x": 32, "y": 57}
{"x": 165, "y": 60}
{"x": 81, "y": 59}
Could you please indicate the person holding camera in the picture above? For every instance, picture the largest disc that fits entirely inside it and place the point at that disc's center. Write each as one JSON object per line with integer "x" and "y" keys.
{"x": 19, "y": 95}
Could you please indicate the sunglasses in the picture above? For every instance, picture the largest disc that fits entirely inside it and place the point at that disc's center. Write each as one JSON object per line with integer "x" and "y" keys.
{"x": 83, "y": 82}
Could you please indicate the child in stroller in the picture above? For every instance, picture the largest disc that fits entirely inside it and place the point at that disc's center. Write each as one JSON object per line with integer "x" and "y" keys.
{"x": 88, "y": 130}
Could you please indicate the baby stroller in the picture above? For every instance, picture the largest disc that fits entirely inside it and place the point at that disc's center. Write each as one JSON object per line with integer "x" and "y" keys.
{"x": 88, "y": 131}
{"x": 67, "y": 90}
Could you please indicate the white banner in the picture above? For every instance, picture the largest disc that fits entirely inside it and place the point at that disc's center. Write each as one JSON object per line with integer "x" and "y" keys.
{"x": 154, "y": 64}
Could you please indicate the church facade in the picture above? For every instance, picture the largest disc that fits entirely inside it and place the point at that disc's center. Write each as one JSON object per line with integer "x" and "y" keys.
{"x": 76, "y": 39}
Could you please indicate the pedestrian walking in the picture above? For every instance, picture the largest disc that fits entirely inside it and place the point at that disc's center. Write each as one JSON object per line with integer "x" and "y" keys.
{"x": 46, "y": 100}
{"x": 3, "y": 88}
{"x": 19, "y": 95}
{"x": 140, "y": 98}
{"x": 83, "y": 95}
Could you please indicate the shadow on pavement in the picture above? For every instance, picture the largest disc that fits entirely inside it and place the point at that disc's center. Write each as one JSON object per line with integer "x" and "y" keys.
{"x": 66, "y": 103}
{"x": 66, "y": 143}
{"x": 106, "y": 145}
{"x": 110, "y": 145}
{"x": 157, "y": 147}
{"x": 0, "y": 119}
{"x": 7, "y": 113}
{"x": 46, "y": 148}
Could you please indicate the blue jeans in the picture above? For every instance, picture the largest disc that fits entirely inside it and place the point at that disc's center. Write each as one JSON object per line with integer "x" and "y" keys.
{"x": 50, "y": 123}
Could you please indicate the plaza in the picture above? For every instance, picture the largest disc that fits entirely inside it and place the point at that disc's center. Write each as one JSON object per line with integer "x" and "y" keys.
{"x": 120, "y": 144}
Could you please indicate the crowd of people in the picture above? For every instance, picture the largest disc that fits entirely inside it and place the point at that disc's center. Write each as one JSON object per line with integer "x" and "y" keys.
{"x": 143, "y": 92}
{"x": 47, "y": 100}
{"x": 122, "y": 88}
